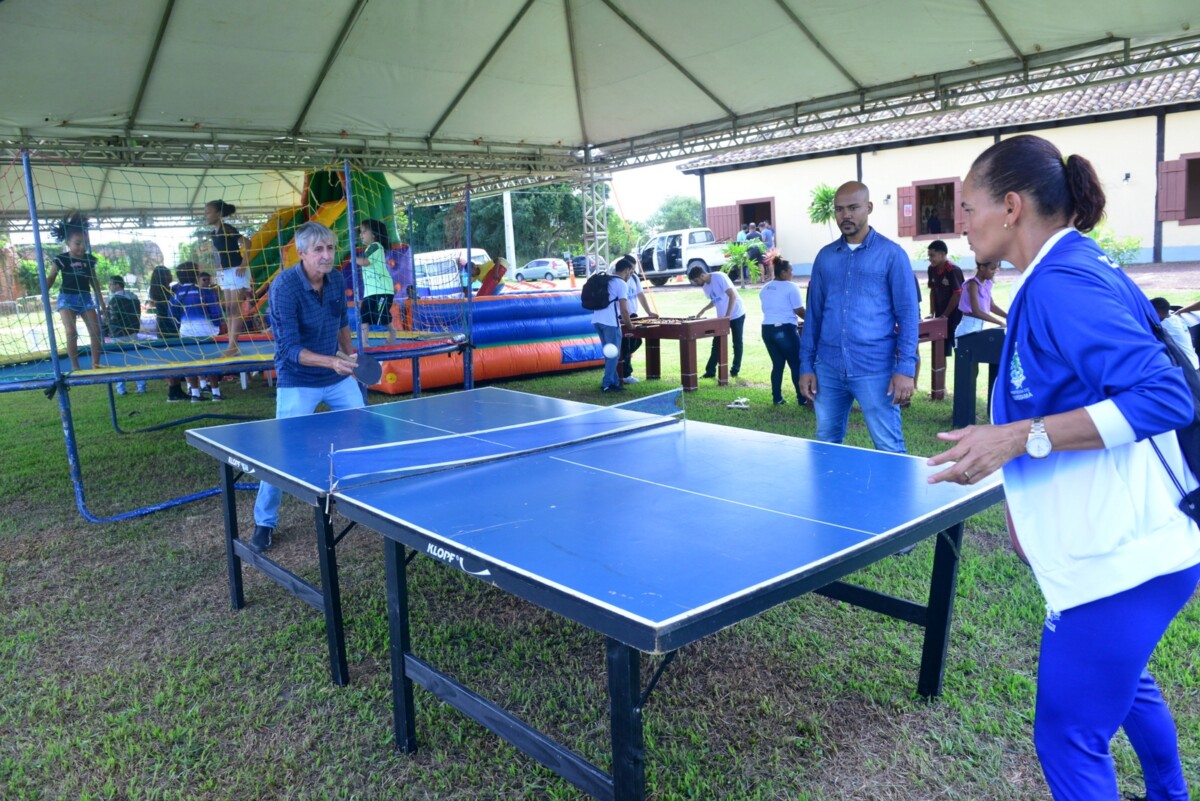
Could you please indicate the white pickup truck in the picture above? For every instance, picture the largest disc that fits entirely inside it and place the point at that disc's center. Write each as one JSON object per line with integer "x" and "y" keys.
{"x": 676, "y": 252}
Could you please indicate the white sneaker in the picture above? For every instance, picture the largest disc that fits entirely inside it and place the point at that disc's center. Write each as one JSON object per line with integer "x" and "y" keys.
{"x": 633, "y": 379}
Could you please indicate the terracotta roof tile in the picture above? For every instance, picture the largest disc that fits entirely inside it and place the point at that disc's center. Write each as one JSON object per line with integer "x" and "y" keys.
{"x": 1058, "y": 104}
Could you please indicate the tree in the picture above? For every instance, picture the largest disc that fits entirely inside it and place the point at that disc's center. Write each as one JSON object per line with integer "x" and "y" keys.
{"x": 27, "y": 277}
{"x": 547, "y": 221}
{"x": 106, "y": 268}
{"x": 623, "y": 235}
{"x": 677, "y": 211}
{"x": 195, "y": 252}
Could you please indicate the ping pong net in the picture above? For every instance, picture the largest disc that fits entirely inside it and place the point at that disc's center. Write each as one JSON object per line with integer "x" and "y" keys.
{"x": 373, "y": 464}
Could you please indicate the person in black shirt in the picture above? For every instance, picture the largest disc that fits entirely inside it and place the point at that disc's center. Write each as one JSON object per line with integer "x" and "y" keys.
{"x": 945, "y": 289}
{"x": 80, "y": 291}
{"x": 233, "y": 276}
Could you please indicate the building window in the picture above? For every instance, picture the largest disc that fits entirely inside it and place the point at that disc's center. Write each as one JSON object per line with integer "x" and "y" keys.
{"x": 936, "y": 203}
{"x": 929, "y": 210}
{"x": 1179, "y": 189}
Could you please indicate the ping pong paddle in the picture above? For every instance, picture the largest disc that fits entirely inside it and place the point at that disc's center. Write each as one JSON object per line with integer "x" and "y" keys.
{"x": 368, "y": 371}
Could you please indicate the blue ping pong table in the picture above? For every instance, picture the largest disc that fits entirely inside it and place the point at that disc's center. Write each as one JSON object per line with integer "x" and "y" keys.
{"x": 706, "y": 551}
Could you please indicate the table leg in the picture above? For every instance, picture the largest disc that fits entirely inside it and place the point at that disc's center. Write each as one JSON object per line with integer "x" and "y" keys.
{"x": 966, "y": 374}
{"x": 937, "y": 378}
{"x": 653, "y": 359}
{"x": 942, "y": 587}
{"x": 629, "y": 751}
{"x": 723, "y": 365}
{"x": 404, "y": 720}
{"x": 229, "y": 505}
{"x": 331, "y": 594}
{"x": 993, "y": 369}
{"x": 687, "y": 365}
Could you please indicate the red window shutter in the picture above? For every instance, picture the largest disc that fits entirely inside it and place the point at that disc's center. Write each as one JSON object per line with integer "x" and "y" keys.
{"x": 723, "y": 221}
{"x": 906, "y": 211}
{"x": 1172, "y": 189}
{"x": 960, "y": 222}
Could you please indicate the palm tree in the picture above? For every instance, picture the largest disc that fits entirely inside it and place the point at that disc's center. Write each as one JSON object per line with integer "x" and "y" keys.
{"x": 820, "y": 210}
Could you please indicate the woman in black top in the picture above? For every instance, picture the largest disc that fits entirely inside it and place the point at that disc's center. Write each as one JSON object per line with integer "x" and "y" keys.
{"x": 232, "y": 275}
{"x": 160, "y": 296}
{"x": 80, "y": 291}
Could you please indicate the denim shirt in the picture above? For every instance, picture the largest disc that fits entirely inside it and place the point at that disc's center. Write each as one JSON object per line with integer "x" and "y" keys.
{"x": 303, "y": 319}
{"x": 862, "y": 313}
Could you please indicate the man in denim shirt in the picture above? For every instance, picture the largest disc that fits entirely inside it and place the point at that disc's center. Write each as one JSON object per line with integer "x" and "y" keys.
{"x": 312, "y": 338}
{"x": 860, "y": 335}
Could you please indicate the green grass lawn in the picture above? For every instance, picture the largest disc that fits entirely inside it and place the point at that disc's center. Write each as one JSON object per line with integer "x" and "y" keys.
{"x": 125, "y": 675}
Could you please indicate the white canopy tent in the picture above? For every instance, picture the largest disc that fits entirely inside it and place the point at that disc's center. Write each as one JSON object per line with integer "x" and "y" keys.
{"x": 500, "y": 93}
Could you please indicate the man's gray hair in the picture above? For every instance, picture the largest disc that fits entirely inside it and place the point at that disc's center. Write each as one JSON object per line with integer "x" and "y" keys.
{"x": 310, "y": 234}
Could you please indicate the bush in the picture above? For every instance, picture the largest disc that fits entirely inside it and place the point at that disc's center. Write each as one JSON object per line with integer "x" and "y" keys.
{"x": 738, "y": 261}
{"x": 1121, "y": 249}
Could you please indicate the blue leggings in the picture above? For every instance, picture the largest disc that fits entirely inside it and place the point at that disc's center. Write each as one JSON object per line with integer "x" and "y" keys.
{"x": 1092, "y": 680}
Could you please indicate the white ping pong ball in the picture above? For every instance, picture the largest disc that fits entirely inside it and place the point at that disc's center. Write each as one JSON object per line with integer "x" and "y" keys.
{"x": 611, "y": 351}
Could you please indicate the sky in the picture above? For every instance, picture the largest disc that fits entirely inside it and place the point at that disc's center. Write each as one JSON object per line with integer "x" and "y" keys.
{"x": 638, "y": 193}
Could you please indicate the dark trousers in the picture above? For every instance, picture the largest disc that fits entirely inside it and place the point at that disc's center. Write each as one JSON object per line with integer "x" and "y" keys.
{"x": 952, "y": 321}
{"x": 629, "y": 346}
{"x": 783, "y": 346}
{"x": 735, "y": 333}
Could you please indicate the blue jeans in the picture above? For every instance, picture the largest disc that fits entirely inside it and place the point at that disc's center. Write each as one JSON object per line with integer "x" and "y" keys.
{"x": 1092, "y": 680}
{"x": 836, "y": 393}
{"x": 783, "y": 346}
{"x": 735, "y": 336}
{"x": 294, "y": 402}
{"x": 610, "y": 335}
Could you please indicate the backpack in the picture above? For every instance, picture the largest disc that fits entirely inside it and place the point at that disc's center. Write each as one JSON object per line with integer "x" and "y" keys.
{"x": 594, "y": 294}
{"x": 1188, "y": 436}
{"x": 124, "y": 316}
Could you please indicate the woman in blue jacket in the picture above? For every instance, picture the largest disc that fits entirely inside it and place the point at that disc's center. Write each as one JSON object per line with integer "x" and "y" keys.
{"x": 1092, "y": 508}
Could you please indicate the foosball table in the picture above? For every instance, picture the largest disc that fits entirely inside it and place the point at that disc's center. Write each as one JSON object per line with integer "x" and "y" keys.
{"x": 934, "y": 331}
{"x": 687, "y": 331}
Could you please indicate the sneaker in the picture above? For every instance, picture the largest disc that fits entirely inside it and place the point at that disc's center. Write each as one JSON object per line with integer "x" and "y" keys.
{"x": 632, "y": 379}
{"x": 195, "y": 398}
{"x": 709, "y": 375}
{"x": 175, "y": 394}
{"x": 261, "y": 541}
{"x": 733, "y": 373}
{"x": 141, "y": 387}
{"x": 780, "y": 402}
{"x": 120, "y": 387}
{"x": 217, "y": 396}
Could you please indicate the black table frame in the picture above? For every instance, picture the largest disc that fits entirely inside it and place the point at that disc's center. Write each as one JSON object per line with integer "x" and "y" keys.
{"x": 626, "y": 641}
{"x": 327, "y": 598}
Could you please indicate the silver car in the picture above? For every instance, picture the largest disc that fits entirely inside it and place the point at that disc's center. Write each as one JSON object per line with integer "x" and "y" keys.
{"x": 548, "y": 269}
